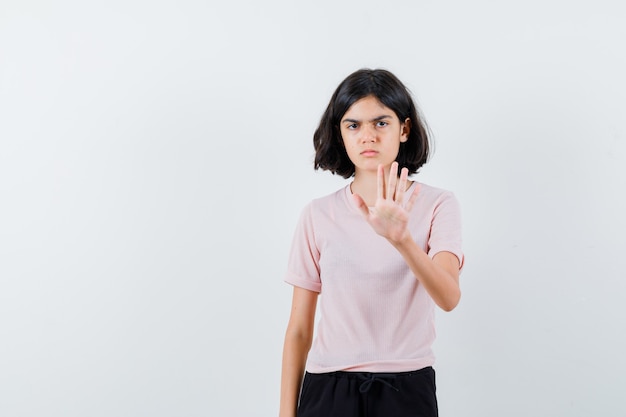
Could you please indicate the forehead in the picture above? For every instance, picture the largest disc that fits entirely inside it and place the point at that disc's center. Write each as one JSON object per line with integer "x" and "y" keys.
{"x": 367, "y": 107}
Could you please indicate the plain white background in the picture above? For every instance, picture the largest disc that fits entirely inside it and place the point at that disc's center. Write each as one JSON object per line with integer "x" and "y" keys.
{"x": 154, "y": 158}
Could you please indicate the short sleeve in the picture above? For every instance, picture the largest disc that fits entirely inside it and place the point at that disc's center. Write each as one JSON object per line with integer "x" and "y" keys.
{"x": 303, "y": 268}
{"x": 446, "y": 228}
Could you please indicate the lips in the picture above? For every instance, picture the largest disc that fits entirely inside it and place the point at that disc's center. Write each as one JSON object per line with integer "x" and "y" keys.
{"x": 369, "y": 152}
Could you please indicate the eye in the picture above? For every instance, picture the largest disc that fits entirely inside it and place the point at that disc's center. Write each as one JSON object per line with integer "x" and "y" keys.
{"x": 381, "y": 123}
{"x": 351, "y": 126}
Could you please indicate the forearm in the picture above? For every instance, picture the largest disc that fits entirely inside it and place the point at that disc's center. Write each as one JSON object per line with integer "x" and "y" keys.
{"x": 295, "y": 352}
{"x": 440, "y": 280}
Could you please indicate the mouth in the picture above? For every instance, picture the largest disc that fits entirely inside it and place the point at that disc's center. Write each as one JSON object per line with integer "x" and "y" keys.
{"x": 369, "y": 152}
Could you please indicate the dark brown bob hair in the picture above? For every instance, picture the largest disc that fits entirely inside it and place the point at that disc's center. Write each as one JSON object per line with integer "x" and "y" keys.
{"x": 330, "y": 153}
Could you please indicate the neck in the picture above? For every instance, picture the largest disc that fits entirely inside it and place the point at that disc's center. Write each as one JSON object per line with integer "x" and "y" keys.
{"x": 365, "y": 185}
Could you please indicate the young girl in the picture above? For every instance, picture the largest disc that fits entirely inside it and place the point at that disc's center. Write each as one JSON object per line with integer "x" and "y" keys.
{"x": 377, "y": 255}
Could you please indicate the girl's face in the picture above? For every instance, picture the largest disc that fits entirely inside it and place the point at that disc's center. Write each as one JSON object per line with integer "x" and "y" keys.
{"x": 372, "y": 134}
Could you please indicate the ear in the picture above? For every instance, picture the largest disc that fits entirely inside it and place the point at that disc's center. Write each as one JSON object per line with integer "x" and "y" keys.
{"x": 405, "y": 129}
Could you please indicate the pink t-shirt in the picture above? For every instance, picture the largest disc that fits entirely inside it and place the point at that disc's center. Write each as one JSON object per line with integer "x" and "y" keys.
{"x": 374, "y": 315}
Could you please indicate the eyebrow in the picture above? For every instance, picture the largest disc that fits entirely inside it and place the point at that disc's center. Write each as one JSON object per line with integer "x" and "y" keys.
{"x": 376, "y": 119}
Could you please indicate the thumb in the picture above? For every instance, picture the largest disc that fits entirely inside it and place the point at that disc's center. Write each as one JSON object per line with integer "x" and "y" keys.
{"x": 360, "y": 203}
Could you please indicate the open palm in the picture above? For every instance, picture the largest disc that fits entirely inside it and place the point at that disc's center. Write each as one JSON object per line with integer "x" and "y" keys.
{"x": 390, "y": 215}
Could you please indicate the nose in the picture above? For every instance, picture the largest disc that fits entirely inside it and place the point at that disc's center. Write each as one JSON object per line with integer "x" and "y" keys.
{"x": 368, "y": 134}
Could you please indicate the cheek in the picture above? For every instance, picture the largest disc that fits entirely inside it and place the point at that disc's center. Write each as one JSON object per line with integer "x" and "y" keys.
{"x": 346, "y": 140}
{"x": 349, "y": 149}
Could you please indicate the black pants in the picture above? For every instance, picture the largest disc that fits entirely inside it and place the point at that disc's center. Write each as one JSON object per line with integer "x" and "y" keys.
{"x": 365, "y": 394}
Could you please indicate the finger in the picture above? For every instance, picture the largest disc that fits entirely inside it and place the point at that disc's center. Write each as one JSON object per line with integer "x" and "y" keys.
{"x": 400, "y": 189}
{"x": 413, "y": 198}
{"x": 360, "y": 203}
{"x": 380, "y": 193}
{"x": 393, "y": 179}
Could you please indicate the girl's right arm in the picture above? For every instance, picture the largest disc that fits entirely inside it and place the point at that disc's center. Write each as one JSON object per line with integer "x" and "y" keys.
{"x": 298, "y": 339}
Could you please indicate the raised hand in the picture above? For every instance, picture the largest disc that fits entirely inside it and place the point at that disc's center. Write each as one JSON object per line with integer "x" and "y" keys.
{"x": 390, "y": 216}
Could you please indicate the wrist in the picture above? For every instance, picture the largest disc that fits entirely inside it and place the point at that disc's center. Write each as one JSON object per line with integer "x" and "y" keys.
{"x": 404, "y": 243}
